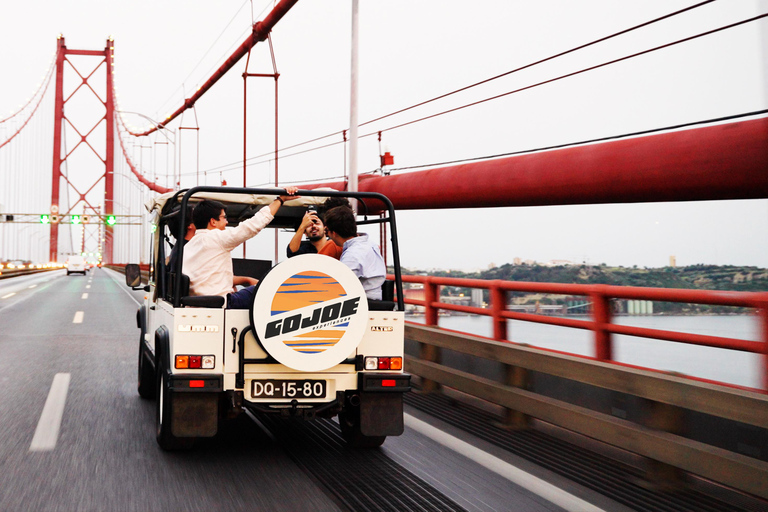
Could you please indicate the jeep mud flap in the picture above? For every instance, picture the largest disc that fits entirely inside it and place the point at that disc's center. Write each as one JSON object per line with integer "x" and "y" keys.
{"x": 195, "y": 406}
{"x": 381, "y": 403}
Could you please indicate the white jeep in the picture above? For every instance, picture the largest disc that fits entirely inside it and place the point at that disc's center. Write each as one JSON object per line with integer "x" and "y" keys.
{"x": 311, "y": 344}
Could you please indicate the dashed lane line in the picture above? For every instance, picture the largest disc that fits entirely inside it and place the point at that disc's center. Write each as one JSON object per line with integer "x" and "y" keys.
{"x": 33, "y": 286}
{"x": 47, "y": 432}
{"x": 78, "y": 317}
{"x": 87, "y": 286}
{"x": 9, "y": 295}
{"x": 536, "y": 485}
{"x": 85, "y": 296}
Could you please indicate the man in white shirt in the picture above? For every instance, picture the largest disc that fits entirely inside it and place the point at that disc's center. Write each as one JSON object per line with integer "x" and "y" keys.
{"x": 207, "y": 256}
{"x": 358, "y": 253}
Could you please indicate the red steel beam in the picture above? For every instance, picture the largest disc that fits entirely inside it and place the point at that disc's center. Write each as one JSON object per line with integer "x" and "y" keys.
{"x": 109, "y": 174}
{"x": 726, "y": 161}
{"x": 58, "y": 119}
{"x": 259, "y": 33}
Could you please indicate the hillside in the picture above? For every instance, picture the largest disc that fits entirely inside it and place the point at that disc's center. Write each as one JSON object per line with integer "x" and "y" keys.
{"x": 700, "y": 277}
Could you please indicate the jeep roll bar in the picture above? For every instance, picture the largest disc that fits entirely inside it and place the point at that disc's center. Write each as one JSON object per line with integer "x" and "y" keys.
{"x": 390, "y": 218}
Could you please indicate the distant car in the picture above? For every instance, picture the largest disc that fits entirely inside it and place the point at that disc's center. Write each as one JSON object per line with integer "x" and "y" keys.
{"x": 76, "y": 264}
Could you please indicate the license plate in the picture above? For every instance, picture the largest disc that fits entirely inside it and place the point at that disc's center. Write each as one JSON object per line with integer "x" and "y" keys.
{"x": 288, "y": 388}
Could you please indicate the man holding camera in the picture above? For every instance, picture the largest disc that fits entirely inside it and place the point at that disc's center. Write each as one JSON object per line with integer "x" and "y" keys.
{"x": 311, "y": 226}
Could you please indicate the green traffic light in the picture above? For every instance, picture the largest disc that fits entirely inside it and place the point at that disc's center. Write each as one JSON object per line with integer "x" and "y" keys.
{"x": 111, "y": 220}
{"x": 45, "y": 219}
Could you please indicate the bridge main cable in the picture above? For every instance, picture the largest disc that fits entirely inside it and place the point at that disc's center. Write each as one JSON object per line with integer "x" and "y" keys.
{"x": 259, "y": 33}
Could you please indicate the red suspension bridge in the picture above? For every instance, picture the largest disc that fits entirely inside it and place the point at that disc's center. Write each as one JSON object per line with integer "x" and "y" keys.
{"x": 75, "y": 174}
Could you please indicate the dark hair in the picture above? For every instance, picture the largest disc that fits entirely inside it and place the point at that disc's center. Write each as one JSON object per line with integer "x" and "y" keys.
{"x": 173, "y": 222}
{"x": 333, "y": 202}
{"x": 205, "y": 211}
{"x": 341, "y": 220}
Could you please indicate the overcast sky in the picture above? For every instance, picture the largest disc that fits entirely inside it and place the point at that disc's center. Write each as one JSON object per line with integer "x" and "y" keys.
{"x": 412, "y": 51}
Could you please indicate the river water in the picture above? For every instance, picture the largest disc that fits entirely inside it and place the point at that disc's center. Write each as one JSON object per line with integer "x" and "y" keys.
{"x": 735, "y": 367}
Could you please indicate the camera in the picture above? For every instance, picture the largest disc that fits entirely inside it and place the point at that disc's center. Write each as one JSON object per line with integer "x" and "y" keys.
{"x": 312, "y": 208}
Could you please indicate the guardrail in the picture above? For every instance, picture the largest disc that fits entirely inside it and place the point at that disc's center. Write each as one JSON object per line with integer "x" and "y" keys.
{"x": 600, "y": 324}
{"x": 121, "y": 268}
{"x": 659, "y": 430}
{"x": 8, "y": 273}
{"x": 658, "y": 433}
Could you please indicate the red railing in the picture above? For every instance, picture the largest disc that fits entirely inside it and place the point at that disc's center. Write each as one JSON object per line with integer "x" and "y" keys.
{"x": 601, "y": 322}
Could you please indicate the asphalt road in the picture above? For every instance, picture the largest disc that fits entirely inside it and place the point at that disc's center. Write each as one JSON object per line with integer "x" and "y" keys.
{"x": 75, "y": 338}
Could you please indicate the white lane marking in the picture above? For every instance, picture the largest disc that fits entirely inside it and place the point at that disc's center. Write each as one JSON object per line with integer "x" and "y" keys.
{"x": 32, "y": 286}
{"x": 46, "y": 282}
{"x": 549, "y": 492}
{"x": 87, "y": 286}
{"x": 85, "y": 296}
{"x": 9, "y": 295}
{"x": 47, "y": 432}
{"x": 78, "y": 318}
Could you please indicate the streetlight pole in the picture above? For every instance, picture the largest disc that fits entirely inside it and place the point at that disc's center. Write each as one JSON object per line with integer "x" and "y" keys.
{"x": 353, "y": 101}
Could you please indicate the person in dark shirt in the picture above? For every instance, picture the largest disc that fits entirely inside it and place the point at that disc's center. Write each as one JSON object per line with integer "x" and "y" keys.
{"x": 312, "y": 226}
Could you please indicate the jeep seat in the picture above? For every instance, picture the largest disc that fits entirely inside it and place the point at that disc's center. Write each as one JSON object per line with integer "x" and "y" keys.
{"x": 387, "y": 302}
{"x": 196, "y": 301}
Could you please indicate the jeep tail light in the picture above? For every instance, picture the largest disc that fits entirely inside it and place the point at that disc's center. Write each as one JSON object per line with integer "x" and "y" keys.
{"x": 195, "y": 362}
{"x": 383, "y": 363}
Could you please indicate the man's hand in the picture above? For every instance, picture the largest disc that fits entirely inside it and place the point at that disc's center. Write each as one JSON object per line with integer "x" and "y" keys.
{"x": 309, "y": 219}
{"x": 291, "y": 193}
{"x": 244, "y": 281}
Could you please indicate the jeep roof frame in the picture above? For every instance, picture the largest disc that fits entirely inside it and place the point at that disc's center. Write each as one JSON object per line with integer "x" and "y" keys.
{"x": 362, "y": 196}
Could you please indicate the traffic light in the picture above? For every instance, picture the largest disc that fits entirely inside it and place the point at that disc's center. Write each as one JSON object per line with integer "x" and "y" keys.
{"x": 111, "y": 220}
{"x": 45, "y": 219}
{"x": 75, "y": 219}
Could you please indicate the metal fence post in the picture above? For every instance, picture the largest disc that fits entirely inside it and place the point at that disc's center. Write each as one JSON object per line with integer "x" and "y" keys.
{"x": 430, "y": 352}
{"x": 498, "y": 298}
{"x": 601, "y": 312}
{"x": 762, "y": 311}
{"x": 431, "y": 294}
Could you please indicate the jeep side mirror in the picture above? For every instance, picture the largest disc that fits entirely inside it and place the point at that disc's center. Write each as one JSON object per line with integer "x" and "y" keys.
{"x": 132, "y": 275}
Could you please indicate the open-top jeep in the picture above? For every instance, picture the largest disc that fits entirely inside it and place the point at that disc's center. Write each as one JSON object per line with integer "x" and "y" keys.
{"x": 311, "y": 344}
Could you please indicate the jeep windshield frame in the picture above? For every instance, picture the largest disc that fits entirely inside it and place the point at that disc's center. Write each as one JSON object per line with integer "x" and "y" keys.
{"x": 373, "y": 197}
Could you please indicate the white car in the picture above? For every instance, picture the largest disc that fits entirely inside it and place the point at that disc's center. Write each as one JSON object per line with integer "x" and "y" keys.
{"x": 311, "y": 344}
{"x": 76, "y": 264}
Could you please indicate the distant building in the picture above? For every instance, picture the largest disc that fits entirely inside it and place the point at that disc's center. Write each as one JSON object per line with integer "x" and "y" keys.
{"x": 477, "y": 297}
{"x": 558, "y": 263}
{"x": 672, "y": 261}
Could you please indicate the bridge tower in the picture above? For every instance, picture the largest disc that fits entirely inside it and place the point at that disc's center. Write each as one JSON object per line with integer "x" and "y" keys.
{"x": 86, "y": 188}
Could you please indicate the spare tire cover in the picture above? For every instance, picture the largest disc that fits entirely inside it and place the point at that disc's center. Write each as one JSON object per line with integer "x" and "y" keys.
{"x": 310, "y": 312}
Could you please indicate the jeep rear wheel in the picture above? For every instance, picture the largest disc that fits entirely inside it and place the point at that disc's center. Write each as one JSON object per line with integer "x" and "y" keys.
{"x": 164, "y": 418}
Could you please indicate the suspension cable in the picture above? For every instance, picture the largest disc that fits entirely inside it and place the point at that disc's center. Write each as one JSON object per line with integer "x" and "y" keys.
{"x": 568, "y": 75}
{"x": 44, "y": 83}
{"x": 521, "y": 68}
{"x": 584, "y": 142}
{"x": 31, "y": 114}
{"x": 561, "y": 77}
